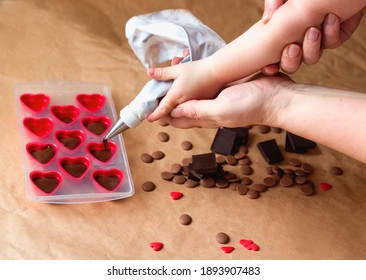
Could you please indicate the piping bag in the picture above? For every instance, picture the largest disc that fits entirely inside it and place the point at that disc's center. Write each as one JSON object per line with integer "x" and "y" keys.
{"x": 156, "y": 38}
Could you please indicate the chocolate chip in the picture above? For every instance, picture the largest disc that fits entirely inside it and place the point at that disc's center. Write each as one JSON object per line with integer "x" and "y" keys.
{"x": 245, "y": 160}
{"x": 234, "y": 185}
{"x": 242, "y": 189}
{"x": 207, "y": 182}
{"x": 147, "y": 158}
{"x": 278, "y": 171}
{"x": 230, "y": 159}
{"x": 240, "y": 155}
{"x": 191, "y": 183}
{"x": 307, "y": 189}
{"x": 301, "y": 180}
{"x": 179, "y": 179}
{"x": 299, "y": 172}
{"x": 168, "y": 176}
{"x": 185, "y": 219}
{"x": 243, "y": 149}
{"x": 269, "y": 170}
{"x": 222, "y": 183}
{"x": 186, "y": 145}
{"x": 222, "y": 238}
{"x": 158, "y": 155}
{"x": 337, "y": 171}
{"x": 148, "y": 186}
{"x": 263, "y": 129}
{"x": 295, "y": 162}
{"x": 270, "y": 151}
{"x": 176, "y": 168}
{"x": 221, "y": 160}
{"x": 186, "y": 161}
{"x": 246, "y": 169}
{"x": 163, "y": 136}
{"x": 286, "y": 181}
{"x": 289, "y": 171}
{"x": 246, "y": 181}
{"x": 270, "y": 182}
{"x": 253, "y": 194}
{"x": 308, "y": 169}
{"x": 260, "y": 188}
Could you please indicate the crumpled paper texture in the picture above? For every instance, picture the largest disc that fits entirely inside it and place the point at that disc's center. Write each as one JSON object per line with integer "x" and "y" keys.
{"x": 84, "y": 40}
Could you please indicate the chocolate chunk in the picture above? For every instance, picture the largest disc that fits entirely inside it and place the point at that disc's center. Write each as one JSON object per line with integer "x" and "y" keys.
{"x": 270, "y": 151}
{"x": 242, "y": 134}
{"x": 297, "y": 144}
{"x": 222, "y": 238}
{"x": 224, "y": 141}
{"x": 204, "y": 163}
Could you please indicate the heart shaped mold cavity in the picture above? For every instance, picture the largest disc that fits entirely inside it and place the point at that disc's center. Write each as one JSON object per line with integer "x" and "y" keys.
{"x": 71, "y": 139}
{"x": 76, "y": 167}
{"x": 42, "y": 153}
{"x": 102, "y": 151}
{"x": 96, "y": 125}
{"x": 40, "y": 127}
{"x": 47, "y": 182}
{"x": 109, "y": 180}
{"x": 66, "y": 114}
{"x": 92, "y": 102}
{"x": 37, "y": 102}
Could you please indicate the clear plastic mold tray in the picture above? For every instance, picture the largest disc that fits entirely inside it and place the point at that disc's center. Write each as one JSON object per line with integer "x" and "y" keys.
{"x": 62, "y": 125}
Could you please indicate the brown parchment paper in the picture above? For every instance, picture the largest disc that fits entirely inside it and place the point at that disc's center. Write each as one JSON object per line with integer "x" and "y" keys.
{"x": 84, "y": 41}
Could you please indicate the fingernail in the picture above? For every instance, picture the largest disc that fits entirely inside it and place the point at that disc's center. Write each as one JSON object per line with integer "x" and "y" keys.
{"x": 331, "y": 19}
{"x": 293, "y": 51}
{"x": 177, "y": 112}
{"x": 266, "y": 16}
{"x": 151, "y": 71}
{"x": 313, "y": 35}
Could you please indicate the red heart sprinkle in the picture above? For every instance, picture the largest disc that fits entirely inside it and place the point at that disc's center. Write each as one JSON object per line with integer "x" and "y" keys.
{"x": 227, "y": 249}
{"x": 176, "y": 195}
{"x": 246, "y": 242}
{"x": 325, "y": 186}
{"x": 157, "y": 246}
{"x": 253, "y": 247}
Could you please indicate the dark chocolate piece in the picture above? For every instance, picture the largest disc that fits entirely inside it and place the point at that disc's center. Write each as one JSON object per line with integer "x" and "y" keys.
{"x": 270, "y": 151}
{"x": 44, "y": 155}
{"x": 298, "y": 144}
{"x": 224, "y": 141}
{"x": 204, "y": 163}
{"x": 241, "y": 135}
{"x": 47, "y": 185}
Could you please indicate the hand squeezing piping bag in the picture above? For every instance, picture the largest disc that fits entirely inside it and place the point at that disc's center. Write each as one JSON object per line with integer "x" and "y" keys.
{"x": 156, "y": 38}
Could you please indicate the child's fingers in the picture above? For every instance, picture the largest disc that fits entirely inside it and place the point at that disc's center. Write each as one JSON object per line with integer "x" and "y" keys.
{"x": 163, "y": 74}
{"x": 166, "y": 105}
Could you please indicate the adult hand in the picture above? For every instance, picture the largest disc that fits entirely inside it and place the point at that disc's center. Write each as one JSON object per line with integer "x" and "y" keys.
{"x": 239, "y": 105}
{"x": 332, "y": 35}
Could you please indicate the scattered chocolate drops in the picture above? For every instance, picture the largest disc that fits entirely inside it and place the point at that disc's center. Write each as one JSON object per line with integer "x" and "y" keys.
{"x": 156, "y": 246}
{"x": 222, "y": 238}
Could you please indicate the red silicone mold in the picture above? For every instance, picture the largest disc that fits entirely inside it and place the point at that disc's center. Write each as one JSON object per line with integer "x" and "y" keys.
{"x": 66, "y": 114}
{"x": 40, "y": 127}
{"x": 42, "y": 153}
{"x": 46, "y": 183}
{"x": 108, "y": 180}
{"x": 75, "y": 167}
{"x": 36, "y": 102}
{"x": 91, "y": 102}
{"x": 103, "y": 152}
{"x": 70, "y": 139}
{"x": 96, "y": 125}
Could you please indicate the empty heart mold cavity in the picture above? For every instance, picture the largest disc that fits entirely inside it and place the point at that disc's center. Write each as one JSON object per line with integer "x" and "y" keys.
{"x": 42, "y": 153}
{"x": 40, "y": 127}
{"x": 66, "y": 114}
{"x": 76, "y": 167}
{"x": 91, "y": 102}
{"x": 37, "y": 102}
{"x": 96, "y": 125}
{"x": 102, "y": 151}
{"x": 71, "y": 139}
{"x": 47, "y": 182}
{"x": 108, "y": 180}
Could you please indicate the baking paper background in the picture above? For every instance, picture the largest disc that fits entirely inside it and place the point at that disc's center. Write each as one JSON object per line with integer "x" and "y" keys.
{"x": 84, "y": 41}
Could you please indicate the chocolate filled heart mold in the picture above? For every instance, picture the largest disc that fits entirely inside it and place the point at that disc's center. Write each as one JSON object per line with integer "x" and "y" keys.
{"x": 108, "y": 179}
{"x": 71, "y": 139}
{"x": 102, "y": 151}
{"x": 42, "y": 153}
{"x": 96, "y": 125}
{"x": 76, "y": 167}
{"x": 47, "y": 182}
